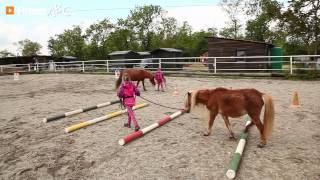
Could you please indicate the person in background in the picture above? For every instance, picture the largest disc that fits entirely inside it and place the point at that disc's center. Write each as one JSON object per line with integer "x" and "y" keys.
{"x": 160, "y": 79}
{"x": 128, "y": 92}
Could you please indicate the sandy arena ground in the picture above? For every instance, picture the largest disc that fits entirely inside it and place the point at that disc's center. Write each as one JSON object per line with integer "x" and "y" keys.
{"x": 31, "y": 149}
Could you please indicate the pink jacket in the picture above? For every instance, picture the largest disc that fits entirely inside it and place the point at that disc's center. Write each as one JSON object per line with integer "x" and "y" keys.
{"x": 127, "y": 92}
{"x": 159, "y": 76}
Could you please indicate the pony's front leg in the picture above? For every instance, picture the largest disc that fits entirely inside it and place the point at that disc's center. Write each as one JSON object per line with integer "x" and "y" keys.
{"x": 143, "y": 85}
{"x": 226, "y": 121}
{"x": 138, "y": 83}
{"x": 210, "y": 123}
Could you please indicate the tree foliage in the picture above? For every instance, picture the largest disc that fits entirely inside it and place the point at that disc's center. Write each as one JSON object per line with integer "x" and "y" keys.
{"x": 97, "y": 35}
{"x": 302, "y": 22}
{"x": 70, "y": 43}
{"x": 294, "y": 27}
{"x": 5, "y": 53}
{"x": 146, "y": 28}
{"x": 266, "y": 12}
{"x": 233, "y": 9}
{"x": 143, "y": 23}
{"x": 28, "y": 47}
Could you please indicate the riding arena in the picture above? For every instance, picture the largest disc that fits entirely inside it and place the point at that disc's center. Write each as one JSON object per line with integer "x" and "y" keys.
{"x": 171, "y": 142}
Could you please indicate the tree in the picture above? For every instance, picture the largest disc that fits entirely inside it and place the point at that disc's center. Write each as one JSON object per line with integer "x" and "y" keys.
{"x": 183, "y": 38}
{"x": 146, "y": 28}
{"x": 266, "y": 13}
{"x": 71, "y": 42}
{"x": 28, "y": 48}
{"x": 166, "y": 32}
{"x": 97, "y": 35}
{"x": 5, "y": 53}
{"x": 302, "y": 22}
{"x": 143, "y": 21}
{"x": 233, "y": 9}
{"x": 228, "y": 32}
{"x": 122, "y": 39}
{"x": 200, "y": 41}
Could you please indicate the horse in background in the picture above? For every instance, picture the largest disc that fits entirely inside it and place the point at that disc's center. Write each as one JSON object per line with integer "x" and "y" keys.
{"x": 234, "y": 103}
{"x": 136, "y": 75}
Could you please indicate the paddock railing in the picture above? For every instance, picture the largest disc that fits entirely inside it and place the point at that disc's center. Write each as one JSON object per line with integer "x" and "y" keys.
{"x": 296, "y": 64}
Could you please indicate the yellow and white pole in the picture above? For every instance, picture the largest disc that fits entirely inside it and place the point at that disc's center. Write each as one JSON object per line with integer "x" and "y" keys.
{"x": 102, "y": 118}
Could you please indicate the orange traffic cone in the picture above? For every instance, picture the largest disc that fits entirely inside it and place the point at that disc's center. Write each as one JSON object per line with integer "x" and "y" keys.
{"x": 295, "y": 100}
{"x": 175, "y": 92}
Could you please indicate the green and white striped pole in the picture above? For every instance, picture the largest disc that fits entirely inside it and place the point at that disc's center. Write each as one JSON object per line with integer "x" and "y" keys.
{"x": 235, "y": 161}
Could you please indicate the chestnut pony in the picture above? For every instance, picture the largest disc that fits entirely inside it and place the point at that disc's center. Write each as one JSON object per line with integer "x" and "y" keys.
{"x": 136, "y": 75}
{"x": 234, "y": 103}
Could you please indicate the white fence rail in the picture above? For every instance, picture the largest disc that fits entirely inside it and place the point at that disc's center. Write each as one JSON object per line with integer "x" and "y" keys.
{"x": 206, "y": 65}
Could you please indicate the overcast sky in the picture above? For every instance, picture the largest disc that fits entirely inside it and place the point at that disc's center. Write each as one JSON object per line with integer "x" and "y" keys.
{"x": 37, "y": 20}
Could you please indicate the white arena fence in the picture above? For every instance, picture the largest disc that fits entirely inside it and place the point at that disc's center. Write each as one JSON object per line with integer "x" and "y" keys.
{"x": 188, "y": 65}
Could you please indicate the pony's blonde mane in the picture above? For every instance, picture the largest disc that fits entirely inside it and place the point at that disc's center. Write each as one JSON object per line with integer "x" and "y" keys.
{"x": 198, "y": 109}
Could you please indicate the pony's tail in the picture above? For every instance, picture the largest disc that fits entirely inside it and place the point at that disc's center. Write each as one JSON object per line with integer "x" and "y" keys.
{"x": 118, "y": 82}
{"x": 268, "y": 118}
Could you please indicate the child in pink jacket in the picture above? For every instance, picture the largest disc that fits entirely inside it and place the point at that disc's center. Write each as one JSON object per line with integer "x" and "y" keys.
{"x": 160, "y": 78}
{"x": 127, "y": 92}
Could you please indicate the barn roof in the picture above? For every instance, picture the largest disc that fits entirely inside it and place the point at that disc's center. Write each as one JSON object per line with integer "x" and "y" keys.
{"x": 25, "y": 59}
{"x": 32, "y": 56}
{"x": 144, "y": 53}
{"x": 258, "y": 42}
{"x": 69, "y": 57}
{"x": 168, "y": 49}
{"x": 120, "y": 52}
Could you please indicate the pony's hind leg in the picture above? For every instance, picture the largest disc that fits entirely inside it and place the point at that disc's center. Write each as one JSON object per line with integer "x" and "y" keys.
{"x": 138, "y": 83}
{"x": 257, "y": 122}
{"x": 248, "y": 127}
{"x": 210, "y": 123}
{"x": 226, "y": 121}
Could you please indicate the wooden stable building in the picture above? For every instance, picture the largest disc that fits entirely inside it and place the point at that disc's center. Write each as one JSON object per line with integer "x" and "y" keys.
{"x": 225, "y": 47}
{"x": 25, "y": 59}
{"x": 34, "y": 59}
{"x": 171, "y": 53}
{"x": 121, "y": 55}
{"x": 145, "y": 57}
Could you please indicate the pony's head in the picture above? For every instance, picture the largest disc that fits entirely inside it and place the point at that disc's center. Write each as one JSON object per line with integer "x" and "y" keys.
{"x": 126, "y": 77}
{"x": 150, "y": 76}
{"x": 187, "y": 103}
{"x": 152, "y": 79}
{"x": 196, "y": 103}
{"x": 190, "y": 100}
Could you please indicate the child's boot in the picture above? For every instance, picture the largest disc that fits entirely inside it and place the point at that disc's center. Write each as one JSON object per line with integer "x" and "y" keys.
{"x": 126, "y": 125}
